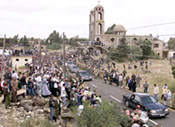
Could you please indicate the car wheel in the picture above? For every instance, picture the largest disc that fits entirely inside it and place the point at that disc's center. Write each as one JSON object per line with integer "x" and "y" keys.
{"x": 126, "y": 103}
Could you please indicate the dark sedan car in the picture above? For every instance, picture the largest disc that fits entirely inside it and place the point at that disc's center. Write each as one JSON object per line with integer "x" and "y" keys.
{"x": 84, "y": 75}
{"x": 147, "y": 103}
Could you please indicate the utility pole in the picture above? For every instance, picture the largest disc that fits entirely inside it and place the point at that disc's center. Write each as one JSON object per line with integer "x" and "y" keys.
{"x": 40, "y": 56}
{"x": 3, "y": 62}
{"x": 64, "y": 54}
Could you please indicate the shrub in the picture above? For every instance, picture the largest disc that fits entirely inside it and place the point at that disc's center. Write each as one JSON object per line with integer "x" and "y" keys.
{"x": 173, "y": 68}
{"x": 173, "y": 73}
{"x": 105, "y": 115}
{"x": 54, "y": 46}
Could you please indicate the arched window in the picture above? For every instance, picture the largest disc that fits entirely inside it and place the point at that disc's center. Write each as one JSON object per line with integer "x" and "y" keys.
{"x": 26, "y": 60}
{"x": 135, "y": 39}
{"x": 98, "y": 39}
{"x": 112, "y": 39}
{"x": 100, "y": 16}
{"x": 17, "y": 59}
{"x": 99, "y": 29}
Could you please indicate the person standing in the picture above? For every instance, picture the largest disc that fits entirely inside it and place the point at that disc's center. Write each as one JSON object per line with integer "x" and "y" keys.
{"x": 127, "y": 81}
{"x": 51, "y": 106}
{"x": 6, "y": 92}
{"x": 130, "y": 82}
{"x": 14, "y": 90}
{"x": 110, "y": 78}
{"x": 105, "y": 76}
{"x": 120, "y": 80}
{"x": 145, "y": 86}
{"x": 164, "y": 91}
{"x": 168, "y": 97}
{"x": 124, "y": 73}
{"x": 138, "y": 80}
{"x": 30, "y": 87}
{"x": 57, "y": 107}
{"x": 134, "y": 86}
{"x": 63, "y": 95}
{"x": 23, "y": 80}
{"x": 156, "y": 91}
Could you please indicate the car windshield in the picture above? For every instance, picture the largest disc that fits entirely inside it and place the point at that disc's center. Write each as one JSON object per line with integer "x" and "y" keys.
{"x": 148, "y": 99}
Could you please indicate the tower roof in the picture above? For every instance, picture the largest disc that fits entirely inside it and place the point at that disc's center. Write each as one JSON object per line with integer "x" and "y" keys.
{"x": 99, "y": 6}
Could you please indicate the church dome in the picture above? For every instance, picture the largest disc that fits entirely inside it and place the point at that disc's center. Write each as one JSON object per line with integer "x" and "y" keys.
{"x": 119, "y": 28}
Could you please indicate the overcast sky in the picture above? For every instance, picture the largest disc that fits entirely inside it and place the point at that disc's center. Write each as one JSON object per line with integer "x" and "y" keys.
{"x": 38, "y": 18}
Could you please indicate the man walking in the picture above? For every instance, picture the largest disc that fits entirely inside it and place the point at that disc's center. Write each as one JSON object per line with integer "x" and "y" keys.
{"x": 51, "y": 106}
{"x": 105, "y": 76}
{"x": 145, "y": 86}
{"x": 156, "y": 91}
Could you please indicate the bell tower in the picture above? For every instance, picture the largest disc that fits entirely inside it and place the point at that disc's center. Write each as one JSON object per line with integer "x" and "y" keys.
{"x": 96, "y": 25}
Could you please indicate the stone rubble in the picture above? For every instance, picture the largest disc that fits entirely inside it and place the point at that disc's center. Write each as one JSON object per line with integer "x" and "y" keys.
{"x": 25, "y": 109}
{"x": 20, "y": 111}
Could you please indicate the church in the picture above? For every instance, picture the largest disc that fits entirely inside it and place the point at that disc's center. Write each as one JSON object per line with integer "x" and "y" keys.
{"x": 112, "y": 37}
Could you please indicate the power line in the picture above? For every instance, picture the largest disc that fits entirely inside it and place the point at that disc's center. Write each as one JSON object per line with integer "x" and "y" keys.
{"x": 166, "y": 35}
{"x": 153, "y": 25}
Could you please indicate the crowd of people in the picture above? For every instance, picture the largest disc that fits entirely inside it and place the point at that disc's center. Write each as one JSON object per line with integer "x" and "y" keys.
{"x": 45, "y": 78}
{"x": 48, "y": 80}
{"x": 112, "y": 75}
{"x": 136, "y": 118}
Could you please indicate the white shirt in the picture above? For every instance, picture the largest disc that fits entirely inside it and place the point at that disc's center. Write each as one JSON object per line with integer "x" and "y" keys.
{"x": 156, "y": 90}
{"x": 38, "y": 79}
{"x": 169, "y": 94}
{"x": 63, "y": 92}
{"x": 15, "y": 75}
{"x": 2, "y": 84}
{"x": 61, "y": 84}
{"x": 120, "y": 78}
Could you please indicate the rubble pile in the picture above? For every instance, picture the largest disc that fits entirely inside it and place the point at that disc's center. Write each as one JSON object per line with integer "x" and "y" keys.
{"x": 35, "y": 108}
{"x": 20, "y": 111}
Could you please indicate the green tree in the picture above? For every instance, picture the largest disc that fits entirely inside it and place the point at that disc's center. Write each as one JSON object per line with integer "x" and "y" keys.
{"x": 146, "y": 47}
{"x": 54, "y": 46}
{"x": 24, "y": 41}
{"x": 15, "y": 39}
{"x": 105, "y": 115}
{"x": 171, "y": 43}
{"x": 55, "y": 40}
{"x": 135, "y": 52}
{"x": 54, "y": 37}
{"x": 120, "y": 53}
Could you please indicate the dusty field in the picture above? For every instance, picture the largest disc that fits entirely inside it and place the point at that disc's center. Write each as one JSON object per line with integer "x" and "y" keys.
{"x": 160, "y": 73}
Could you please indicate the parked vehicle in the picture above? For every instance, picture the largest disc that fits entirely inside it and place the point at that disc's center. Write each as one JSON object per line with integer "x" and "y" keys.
{"x": 147, "y": 103}
{"x": 84, "y": 75}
